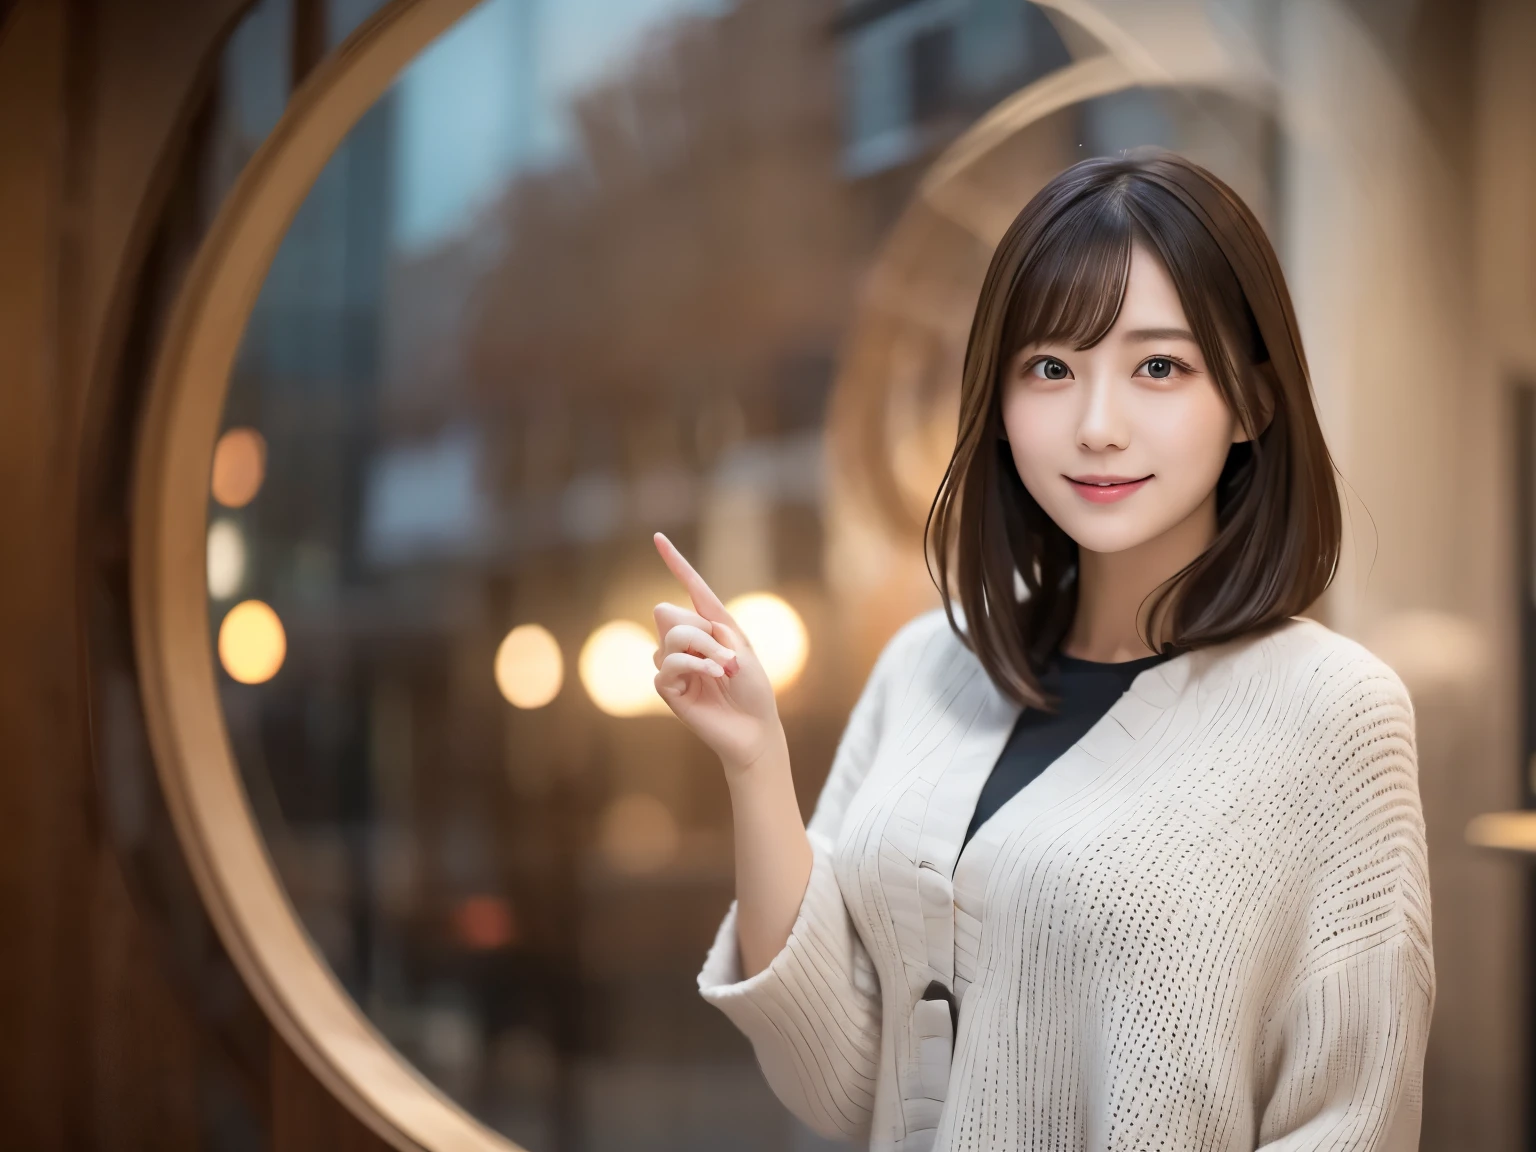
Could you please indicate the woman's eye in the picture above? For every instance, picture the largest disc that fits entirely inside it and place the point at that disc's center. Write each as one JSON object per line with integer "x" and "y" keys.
{"x": 1159, "y": 367}
{"x": 1049, "y": 368}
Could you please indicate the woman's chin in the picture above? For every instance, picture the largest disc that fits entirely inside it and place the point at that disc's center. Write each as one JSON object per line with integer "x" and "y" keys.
{"x": 1109, "y": 538}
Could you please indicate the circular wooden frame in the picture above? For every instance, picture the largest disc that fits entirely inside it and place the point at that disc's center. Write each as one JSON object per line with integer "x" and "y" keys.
{"x": 202, "y": 784}
{"x": 199, "y": 775}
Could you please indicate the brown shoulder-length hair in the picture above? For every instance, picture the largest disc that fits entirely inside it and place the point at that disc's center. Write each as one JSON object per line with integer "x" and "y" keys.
{"x": 1059, "y": 275}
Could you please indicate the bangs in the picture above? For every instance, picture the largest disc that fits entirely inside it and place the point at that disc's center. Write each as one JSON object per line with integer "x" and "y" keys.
{"x": 1070, "y": 292}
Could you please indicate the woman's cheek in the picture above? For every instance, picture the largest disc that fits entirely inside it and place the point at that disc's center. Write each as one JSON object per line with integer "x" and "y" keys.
{"x": 1184, "y": 435}
{"x": 1033, "y": 456}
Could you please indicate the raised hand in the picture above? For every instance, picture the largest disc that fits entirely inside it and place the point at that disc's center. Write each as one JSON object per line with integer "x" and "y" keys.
{"x": 712, "y": 680}
{"x": 708, "y": 673}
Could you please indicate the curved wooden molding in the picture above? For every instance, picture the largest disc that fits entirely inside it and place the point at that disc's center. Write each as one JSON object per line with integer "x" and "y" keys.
{"x": 202, "y": 784}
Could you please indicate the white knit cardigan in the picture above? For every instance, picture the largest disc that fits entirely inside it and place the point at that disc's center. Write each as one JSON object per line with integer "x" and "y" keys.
{"x": 1205, "y": 926}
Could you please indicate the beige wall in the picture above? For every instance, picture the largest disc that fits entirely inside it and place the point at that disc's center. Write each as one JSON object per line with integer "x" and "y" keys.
{"x": 1385, "y": 208}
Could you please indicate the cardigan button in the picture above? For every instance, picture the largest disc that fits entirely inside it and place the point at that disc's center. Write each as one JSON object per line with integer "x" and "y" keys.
{"x": 933, "y": 1028}
{"x": 936, "y": 990}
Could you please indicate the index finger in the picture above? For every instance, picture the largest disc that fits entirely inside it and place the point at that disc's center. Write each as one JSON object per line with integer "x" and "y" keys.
{"x": 705, "y": 602}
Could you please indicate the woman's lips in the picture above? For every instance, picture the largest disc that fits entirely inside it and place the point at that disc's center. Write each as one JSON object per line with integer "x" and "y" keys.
{"x": 1099, "y": 493}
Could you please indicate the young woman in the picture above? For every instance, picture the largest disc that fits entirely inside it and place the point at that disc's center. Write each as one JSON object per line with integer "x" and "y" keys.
{"x": 1121, "y": 852}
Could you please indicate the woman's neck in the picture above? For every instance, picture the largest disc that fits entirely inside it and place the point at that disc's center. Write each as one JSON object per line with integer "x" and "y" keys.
{"x": 1113, "y": 588}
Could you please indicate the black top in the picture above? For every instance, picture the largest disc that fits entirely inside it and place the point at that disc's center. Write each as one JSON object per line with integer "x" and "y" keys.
{"x": 1088, "y": 689}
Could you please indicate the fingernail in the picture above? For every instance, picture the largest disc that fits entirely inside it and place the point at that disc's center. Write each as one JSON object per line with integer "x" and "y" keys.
{"x": 714, "y": 669}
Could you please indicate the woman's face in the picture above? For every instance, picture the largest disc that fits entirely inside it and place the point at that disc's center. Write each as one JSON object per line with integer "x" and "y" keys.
{"x": 1125, "y": 440}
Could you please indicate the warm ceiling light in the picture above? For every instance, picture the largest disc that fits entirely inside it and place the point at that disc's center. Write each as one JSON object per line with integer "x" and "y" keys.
{"x": 252, "y": 644}
{"x": 777, "y": 634}
{"x": 528, "y": 666}
{"x": 239, "y": 466}
{"x": 617, "y": 671}
{"x": 226, "y": 559}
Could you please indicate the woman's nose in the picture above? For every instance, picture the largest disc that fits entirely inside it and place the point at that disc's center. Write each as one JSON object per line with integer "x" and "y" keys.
{"x": 1102, "y": 423}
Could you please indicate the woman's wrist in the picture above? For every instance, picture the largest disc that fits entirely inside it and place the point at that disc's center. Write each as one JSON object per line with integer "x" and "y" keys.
{"x": 770, "y": 761}
{"x": 773, "y": 855}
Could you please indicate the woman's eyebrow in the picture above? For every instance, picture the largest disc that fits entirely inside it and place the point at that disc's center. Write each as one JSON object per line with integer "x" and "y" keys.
{"x": 1161, "y": 334}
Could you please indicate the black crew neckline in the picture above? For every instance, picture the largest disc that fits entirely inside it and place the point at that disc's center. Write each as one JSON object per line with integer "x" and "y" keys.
{"x": 1076, "y": 663}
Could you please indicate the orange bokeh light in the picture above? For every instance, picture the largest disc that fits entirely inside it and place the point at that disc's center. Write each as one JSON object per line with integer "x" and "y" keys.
{"x": 252, "y": 643}
{"x": 239, "y": 467}
{"x": 528, "y": 666}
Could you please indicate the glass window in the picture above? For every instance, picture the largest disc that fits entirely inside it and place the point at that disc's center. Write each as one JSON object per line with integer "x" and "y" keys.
{"x": 591, "y": 269}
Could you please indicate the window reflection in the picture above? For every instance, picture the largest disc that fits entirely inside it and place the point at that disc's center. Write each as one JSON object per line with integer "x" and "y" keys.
{"x": 586, "y": 272}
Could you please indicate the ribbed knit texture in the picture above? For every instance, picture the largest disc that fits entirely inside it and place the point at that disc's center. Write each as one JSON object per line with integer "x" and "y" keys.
{"x": 1206, "y": 926}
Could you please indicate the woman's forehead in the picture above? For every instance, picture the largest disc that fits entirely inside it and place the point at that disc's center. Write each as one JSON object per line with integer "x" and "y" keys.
{"x": 1151, "y": 298}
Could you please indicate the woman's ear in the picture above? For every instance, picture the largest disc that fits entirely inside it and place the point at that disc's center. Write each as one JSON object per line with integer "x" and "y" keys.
{"x": 1265, "y": 387}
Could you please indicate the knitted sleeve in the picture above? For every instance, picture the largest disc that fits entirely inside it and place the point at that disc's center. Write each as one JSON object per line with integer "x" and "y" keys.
{"x": 813, "y": 1015}
{"x": 1344, "y": 1053}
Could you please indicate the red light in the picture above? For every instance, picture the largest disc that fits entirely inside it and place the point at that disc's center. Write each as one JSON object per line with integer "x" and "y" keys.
{"x": 484, "y": 923}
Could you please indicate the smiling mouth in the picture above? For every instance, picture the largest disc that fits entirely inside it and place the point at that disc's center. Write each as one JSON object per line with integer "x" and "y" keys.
{"x": 1105, "y": 489}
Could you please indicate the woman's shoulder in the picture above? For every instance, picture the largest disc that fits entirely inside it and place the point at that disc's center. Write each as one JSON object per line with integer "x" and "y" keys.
{"x": 1307, "y": 656}
{"x": 922, "y": 637}
{"x": 926, "y": 657}
{"x": 1342, "y": 708}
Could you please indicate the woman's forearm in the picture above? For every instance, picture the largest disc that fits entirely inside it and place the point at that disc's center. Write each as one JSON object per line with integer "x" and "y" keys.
{"x": 773, "y": 855}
